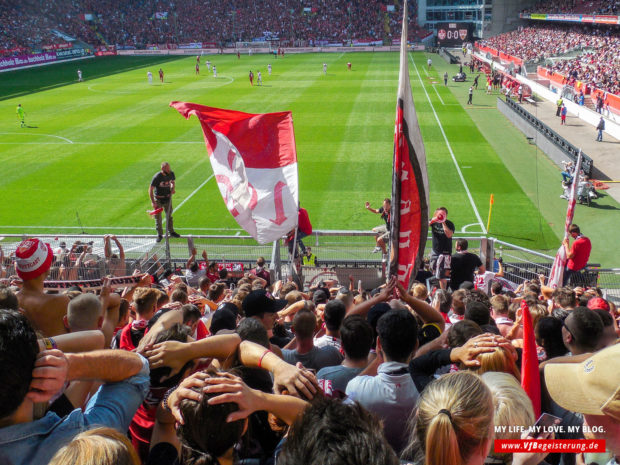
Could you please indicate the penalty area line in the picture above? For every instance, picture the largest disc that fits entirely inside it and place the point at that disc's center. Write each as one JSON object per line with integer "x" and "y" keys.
{"x": 192, "y": 194}
{"x": 456, "y": 165}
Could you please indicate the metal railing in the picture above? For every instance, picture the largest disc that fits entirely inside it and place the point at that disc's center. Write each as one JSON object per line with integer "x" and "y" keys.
{"x": 569, "y": 149}
{"x": 340, "y": 254}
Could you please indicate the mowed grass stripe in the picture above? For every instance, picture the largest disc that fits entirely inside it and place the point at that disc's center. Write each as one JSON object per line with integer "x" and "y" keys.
{"x": 344, "y": 130}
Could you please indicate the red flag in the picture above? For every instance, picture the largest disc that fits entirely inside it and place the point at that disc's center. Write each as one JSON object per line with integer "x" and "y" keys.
{"x": 559, "y": 263}
{"x": 255, "y": 165}
{"x": 409, "y": 215}
{"x": 530, "y": 376}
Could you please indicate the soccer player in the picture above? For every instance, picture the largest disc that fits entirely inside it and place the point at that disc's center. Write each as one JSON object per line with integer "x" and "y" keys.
{"x": 21, "y": 115}
{"x": 208, "y": 65}
{"x": 79, "y": 72}
{"x": 238, "y": 55}
{"x": 197, "y": 68}
{"x": 259, "y": 81}
{"x": 149, "y": 76}
{"x": 214, "y": 71}
{"x": 429, "y": 62}
{"x": 349, "y": 65}
{"x": 324, "y": 68}
{"x": 251, "y": 76}
{"x": 269, "y": 69}
{"x": 161, "y": 75}
{"x": 198, "y": 59}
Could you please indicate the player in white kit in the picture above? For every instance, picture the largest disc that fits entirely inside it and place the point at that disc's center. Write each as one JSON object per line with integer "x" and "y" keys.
{"x": 79, "y": 71}
{"x": 208, "y": 65}
{"x": 149, "y": 76}
{"x": 214, "y": 71}
{"x": 269, "y": 69}
{"x": 259, "y": 79}
{"x": 324, "y": 68}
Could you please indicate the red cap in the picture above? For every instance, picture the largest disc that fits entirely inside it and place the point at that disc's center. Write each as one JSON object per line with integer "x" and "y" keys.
{"x": 34, "y": 257}
{"x": 596, "y": 303}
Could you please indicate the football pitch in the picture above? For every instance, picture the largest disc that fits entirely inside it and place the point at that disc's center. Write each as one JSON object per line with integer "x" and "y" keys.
{"x": 86, "y": 159}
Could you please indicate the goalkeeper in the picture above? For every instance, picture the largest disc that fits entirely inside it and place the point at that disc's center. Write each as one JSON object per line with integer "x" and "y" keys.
{"x": 21, "y": 115}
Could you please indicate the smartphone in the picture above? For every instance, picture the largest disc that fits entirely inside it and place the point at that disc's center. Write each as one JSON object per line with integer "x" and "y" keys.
{"x": 545, "y": 421}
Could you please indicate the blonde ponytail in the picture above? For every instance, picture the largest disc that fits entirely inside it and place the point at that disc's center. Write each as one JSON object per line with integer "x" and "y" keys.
{"x": 452, "y": 421}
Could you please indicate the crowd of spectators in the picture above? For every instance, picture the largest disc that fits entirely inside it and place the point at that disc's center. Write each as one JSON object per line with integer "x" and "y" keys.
{"x": 590, "y": 7}
{"x": 597, "y": 63}
{"x": 29, "y": 24}
{"x": 187, "y": 368}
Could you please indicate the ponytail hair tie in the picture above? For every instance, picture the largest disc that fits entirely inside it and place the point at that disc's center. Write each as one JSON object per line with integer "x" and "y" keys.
{"x": 445, "y": 412}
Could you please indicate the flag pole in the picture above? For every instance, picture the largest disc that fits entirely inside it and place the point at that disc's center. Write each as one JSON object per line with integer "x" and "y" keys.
{"x": 491, "y": 201}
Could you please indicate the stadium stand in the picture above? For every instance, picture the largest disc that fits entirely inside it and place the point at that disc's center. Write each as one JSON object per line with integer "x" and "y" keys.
{"x": 596, "y": 65}
{"x": 30, "y": 24}
{"x": 598, "y": 7}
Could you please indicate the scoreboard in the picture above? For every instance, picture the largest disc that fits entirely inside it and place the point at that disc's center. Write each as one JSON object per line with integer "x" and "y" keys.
{"x": 454, "y": 34}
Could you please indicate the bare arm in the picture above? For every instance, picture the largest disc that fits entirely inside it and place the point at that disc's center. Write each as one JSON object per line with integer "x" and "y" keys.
{"x": 363, "y": 307}
{"x": 152, "y": 197}
{"x": 424, "y": 310}
{"x": 447, "y": 231}
{"x": 191, "y": 259}
{"x": 82, "y": 341}
{"x": 104, "y": 365}
{"x": 121, "y": 250}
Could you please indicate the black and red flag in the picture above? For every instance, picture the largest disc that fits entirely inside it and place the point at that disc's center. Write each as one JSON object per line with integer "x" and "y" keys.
{"x": 409, "y": 215}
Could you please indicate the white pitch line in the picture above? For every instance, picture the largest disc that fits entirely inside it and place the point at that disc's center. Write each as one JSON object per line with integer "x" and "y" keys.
{"x": 464, "y": 228}
{"x": 37, "y": 134}
{"x": 458, "y": 170}
{"x": 102, "y": 142}
{"x": 192, "y": 194}
{"x": 440, "y": 99}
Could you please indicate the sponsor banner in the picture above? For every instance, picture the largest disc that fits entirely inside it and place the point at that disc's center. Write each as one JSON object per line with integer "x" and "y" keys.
{"x": 572, "y": 18}
{"x": 105, "y": 53}
{"x": 209, "y": 45}
{"x": 71, "y": 53}
{"x": 58, "y": 46}
{"x": 93, "y": 284}
{"x": 367, "y": 42}
{"x": 26, "y": 60}
{"x": 191, "y": 45}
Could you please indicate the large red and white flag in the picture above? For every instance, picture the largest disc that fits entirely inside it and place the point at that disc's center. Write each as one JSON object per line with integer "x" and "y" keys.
{"x": 255, "y": 165}
{"x": 409, "y": 216}
{"x": 556, "y": 276}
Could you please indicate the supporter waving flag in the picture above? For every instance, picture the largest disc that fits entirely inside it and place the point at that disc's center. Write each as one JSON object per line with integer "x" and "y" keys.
{"x": 530, "y": 376}
{"x": 409, "y": 218}
{"x": 254, "y": 161}
{"x": 559, "y": 263}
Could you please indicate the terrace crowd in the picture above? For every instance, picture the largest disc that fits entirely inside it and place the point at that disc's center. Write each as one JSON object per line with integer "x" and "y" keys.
{"x": 192, "y": 366}
{"x": 122, "y": 23}
{"x": 597, "y": 63}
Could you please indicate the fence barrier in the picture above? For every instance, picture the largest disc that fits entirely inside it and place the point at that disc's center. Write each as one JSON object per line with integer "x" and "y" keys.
{"x": 341, "y": 255}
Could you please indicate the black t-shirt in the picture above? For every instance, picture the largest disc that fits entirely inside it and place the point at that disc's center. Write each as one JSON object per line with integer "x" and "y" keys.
{"x": 442, "y": 244}
{"x": 462, "y": 268}
{"x": 161, "y": 183}
{"x": 385, "y": 216}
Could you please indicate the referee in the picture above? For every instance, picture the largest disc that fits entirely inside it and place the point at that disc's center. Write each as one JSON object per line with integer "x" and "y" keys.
{"x": 161, "y": 191}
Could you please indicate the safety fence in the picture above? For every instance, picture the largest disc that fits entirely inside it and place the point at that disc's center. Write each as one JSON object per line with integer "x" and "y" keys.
{"x": 340, "y": 255}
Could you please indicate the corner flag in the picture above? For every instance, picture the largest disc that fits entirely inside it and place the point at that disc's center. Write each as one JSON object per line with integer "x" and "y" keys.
{"x": 409, "y": 215}
{"x": 254, "y": 161}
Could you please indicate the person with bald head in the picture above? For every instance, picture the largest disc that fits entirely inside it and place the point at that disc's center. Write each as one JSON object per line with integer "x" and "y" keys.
{"x": 161, "y": 191}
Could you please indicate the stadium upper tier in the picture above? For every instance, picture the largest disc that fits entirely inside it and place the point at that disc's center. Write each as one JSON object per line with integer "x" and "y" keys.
{"x": 123, "y": 22}
{"x": 596, "y": 65}
{"x": 596, "y": 7}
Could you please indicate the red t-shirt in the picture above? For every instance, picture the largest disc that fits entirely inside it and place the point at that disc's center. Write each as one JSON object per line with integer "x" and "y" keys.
{"x": 581, "y": 253}
{"x": 304, "y": 222}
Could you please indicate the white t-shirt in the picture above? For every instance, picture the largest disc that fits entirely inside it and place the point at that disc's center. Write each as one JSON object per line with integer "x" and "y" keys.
{"x": 483, "y": 281}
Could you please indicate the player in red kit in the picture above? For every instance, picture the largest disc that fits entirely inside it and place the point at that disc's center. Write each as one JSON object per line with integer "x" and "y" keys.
{"x": 161, "y": 75}
{"x": 349, "y": 65}
{"x": 197, "y": 67}
{"x": 238, "y": 55}
{"x": 251, "y": 76}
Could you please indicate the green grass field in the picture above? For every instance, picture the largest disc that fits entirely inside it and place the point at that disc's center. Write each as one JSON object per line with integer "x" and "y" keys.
{"x": 91, "y": 148}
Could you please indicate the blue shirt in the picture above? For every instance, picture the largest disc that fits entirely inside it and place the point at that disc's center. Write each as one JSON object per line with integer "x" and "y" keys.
{"x": 113, "y": 405}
